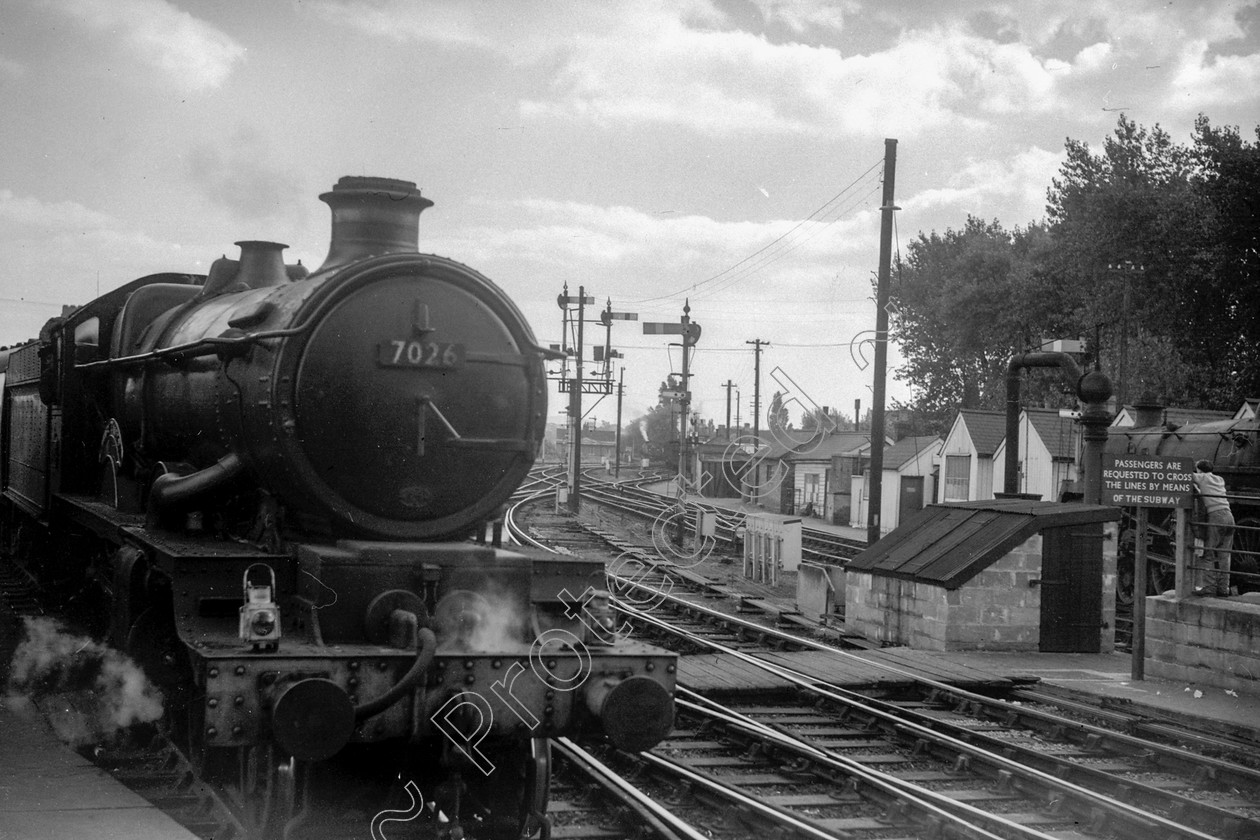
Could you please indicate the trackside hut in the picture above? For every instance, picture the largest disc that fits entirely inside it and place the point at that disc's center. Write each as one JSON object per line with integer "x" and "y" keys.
{"x": 908, "y": 466}
{"x": 1003, "y": 574}
{"x": 817, "y": 489}
{"x": 769, "y": 479}
{"x": 967, "y": 455}
{"x": 1048, "y": 454}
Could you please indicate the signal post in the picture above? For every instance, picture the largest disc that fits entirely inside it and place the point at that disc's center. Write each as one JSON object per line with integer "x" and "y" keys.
{"x": 574, "y": 309}
{"x": 690, "y": 332}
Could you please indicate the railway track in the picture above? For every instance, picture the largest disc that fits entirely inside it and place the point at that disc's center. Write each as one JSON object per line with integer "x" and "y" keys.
{"x": 1011, "y": 766}
{"x": 812, "y": 761}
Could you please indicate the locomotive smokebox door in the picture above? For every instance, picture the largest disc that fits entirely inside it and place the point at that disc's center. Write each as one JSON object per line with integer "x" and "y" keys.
{"x": 260, "y": 615}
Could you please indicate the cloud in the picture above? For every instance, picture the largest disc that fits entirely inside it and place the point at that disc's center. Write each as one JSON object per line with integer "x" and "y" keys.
{"x": 655, "y": 256}
{"x": 1015, "y": 186}
{"x": 526, "y": 31}
{"x": 62, "y": 252}
{"x": 801, "y": 15}
{"x": 18, "y": 211}
{"x": 964, "y": 66}
{"x": 192, "y": 54}
{"x": 1201, "y": 80}
{"x": 237, "y": 174}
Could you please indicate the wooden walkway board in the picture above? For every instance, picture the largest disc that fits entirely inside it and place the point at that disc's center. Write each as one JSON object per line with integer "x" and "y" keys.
{"x": 861, "y": 670}
{"x": 712, "y": 672}
{"x": 837, "y": 669}
{"x": 933, "y": 666}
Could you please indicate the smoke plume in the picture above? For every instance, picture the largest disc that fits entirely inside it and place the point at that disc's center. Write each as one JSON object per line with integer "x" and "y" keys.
{"x": 91, "y": 691}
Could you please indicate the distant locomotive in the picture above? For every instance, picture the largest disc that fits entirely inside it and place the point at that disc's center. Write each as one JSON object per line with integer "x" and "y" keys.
{"x": 1233, "y": 448}
{"x": 269, "y": 478}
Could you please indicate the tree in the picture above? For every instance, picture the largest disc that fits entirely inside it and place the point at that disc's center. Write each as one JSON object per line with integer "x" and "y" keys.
{"x": 777, "y": 415}
{"x": 963, "y": 302}
{"x": 812, "y": 420}
{"x": 1188, "y": 216}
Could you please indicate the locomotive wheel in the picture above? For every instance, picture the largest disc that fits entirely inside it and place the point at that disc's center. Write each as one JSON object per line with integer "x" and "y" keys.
{"x": 511, "y": 802}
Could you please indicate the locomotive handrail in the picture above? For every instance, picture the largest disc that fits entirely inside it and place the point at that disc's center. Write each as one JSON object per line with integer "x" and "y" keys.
{"x": 188, "y": 350}
{"x": 193, "y": 349}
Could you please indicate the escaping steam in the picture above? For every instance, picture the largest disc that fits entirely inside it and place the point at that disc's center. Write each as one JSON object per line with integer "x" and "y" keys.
{"x": 92, "y": 691}
{"x": 479, "y": 621}
{"x": 643, "y": 430}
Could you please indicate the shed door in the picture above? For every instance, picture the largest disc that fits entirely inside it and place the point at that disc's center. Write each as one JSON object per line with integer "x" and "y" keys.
{"x": 1071, "y": 589}
{"x": 911, "y": 496}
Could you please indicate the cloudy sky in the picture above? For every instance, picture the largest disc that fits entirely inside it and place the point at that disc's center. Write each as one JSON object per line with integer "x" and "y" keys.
{"x": 727, "y": 151}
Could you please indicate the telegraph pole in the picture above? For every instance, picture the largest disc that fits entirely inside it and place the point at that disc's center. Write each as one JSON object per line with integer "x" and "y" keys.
{"x": 575, "y": 405}
{"x": 607, "y": 317}
{"x": 757, "y": 343}
{"x": 728, "y": 386}
{"x": 881, "y": 343}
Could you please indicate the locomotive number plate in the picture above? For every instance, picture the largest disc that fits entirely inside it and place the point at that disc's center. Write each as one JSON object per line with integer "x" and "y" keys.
{"x": 420, "y": 354}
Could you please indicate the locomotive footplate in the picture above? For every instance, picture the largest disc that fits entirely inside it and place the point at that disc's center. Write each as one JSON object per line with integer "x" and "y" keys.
{"x": 456, "y": 640}
{"x": 625, "y": 691}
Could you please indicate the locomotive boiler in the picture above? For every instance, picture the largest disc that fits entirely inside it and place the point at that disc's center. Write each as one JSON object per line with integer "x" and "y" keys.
{"x": 269, "y": 477}
{"x": 1231, "y": 446}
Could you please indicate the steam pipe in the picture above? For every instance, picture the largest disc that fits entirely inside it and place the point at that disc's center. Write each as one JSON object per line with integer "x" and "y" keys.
{"x": 424, "y": 658}
{"x": 170, "y": 491}
{"x": 1093, "y": 389}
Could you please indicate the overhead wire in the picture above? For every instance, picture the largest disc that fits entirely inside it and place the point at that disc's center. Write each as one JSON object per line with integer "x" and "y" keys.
{"x": 766, "y": 250}
{"x": 774, "y": 256}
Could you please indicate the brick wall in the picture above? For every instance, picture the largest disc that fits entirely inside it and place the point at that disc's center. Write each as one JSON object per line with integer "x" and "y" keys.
{"x": 1208, "y": 641}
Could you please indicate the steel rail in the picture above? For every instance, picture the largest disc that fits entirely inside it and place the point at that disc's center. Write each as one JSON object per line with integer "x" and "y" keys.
{"x": 930, "y": 801}
{"x": 1219, "y": 770}
{"x": 654, "y": 815}
{"x": 785, "y": 819}
{"x": 1149, "y": 822}
{"x": 1216, "y": 769}
{"x": 902, "y": 791}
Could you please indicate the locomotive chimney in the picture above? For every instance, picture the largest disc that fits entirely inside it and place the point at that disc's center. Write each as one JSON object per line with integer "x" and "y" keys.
{"x": 372, "y": 216}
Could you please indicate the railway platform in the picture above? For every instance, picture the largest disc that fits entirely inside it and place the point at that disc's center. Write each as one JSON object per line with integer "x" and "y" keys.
{"x": 50, "y": 792}
{"x": 1104, "y": 680}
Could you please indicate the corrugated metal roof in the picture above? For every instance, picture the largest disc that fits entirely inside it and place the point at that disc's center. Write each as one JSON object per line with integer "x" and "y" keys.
{"x": 987, "y": 429}
{"x": 947, "y": 545}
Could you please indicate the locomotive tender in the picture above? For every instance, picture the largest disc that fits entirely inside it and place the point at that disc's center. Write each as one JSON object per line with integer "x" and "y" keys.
{"x": 269, "y": 476}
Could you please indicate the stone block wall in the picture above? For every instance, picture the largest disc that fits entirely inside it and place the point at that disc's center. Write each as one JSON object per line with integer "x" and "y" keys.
{"x": 998, "y": 609}
{"x": 1209, "y": 641}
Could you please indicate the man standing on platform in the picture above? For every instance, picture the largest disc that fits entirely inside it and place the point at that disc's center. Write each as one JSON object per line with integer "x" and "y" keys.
{"x": 1210, "y": 489}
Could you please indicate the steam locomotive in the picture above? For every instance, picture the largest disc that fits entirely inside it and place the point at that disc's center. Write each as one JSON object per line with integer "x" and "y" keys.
{"x": 279, "y": 484}
{"x": 1231, "y": 446}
